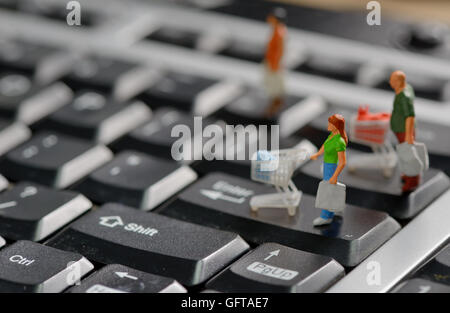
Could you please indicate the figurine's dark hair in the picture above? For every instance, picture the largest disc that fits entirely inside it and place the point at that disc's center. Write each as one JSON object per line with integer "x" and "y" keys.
{"x": 280, "y": 14}
{"x": 339, "y": 122}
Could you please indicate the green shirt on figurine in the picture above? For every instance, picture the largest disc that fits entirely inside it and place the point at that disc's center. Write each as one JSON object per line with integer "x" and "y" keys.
{"x": 403, "y": 108}
{"x": 333, "y": 145}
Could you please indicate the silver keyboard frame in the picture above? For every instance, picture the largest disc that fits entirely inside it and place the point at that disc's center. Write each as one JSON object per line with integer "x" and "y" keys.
{"x": 127, "y": 22}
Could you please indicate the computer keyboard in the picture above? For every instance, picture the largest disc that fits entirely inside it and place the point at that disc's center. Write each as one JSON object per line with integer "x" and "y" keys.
{"x": 86, "y": 119}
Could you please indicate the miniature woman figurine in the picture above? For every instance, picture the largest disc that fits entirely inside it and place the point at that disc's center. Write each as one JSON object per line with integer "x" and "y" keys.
{"x": 334, "y": 159}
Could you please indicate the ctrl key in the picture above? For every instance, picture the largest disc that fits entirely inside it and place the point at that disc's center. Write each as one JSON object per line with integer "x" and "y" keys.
{"x": 26, "y": 266}
{"x": 275, "y": 268}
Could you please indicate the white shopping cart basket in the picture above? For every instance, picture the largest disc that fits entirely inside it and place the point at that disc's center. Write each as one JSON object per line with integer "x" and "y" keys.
{"x": 277, "y": 170}
{"x": 375, "y": 134}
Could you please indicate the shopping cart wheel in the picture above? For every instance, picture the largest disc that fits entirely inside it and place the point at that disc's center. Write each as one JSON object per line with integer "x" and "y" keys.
{"x": 291, "y": 211}
{"x": 387, "y": 172}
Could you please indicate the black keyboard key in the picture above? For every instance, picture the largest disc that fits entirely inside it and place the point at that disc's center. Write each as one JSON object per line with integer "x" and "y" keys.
{"x": 175, "y": 36}
{"x": 54, "y": 160}
{"x": 98, "y": 72}
{"x": 151, "y": 243}
{"x": 275, "y": 268}
{"x": 222, "y": 201}
{"x": 251, "y": 108}
{"x": 33, "y": 212}
{"x": 371, "y": 189}
{"x": 418, "y": 285}
{"x": 117, "y": 278}
{"x": 31, "y": 267}
{"x": 95, "y": 116}
{"x": 24, "y": 56}
{"x": 137, "y": 180}
{"x": 438, "y": 269}
{"x": 12, "y": 135}
{"x": 330, "y": 67}
{"x": 14, "y": 89}
{"x": 3, "y": 183}
{"x": 244, "y": 50}
{"x": 25, "y": 101}
{"x": 178, "y": 90}
{"x": 155, "y": 137}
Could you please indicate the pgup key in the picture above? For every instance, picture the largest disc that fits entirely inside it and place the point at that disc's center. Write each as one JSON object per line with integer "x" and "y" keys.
{"x": 117, "y": 278}
{"x": 151, "y": 243}
{"x": 31, "y": 267}
{"x": 276, "y": 268}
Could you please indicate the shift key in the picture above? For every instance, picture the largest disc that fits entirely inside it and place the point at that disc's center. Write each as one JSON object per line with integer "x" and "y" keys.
{"x": 151, "y": 243}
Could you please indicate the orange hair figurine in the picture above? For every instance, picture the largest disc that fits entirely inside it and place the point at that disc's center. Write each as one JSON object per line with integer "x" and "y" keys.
{"x": 334, "y": 160}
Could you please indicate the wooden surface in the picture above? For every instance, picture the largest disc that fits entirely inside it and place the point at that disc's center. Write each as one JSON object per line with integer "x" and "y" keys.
{"x": 434, "y": 10}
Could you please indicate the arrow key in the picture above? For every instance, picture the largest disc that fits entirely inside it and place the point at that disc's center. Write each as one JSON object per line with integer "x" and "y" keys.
{"x": 117, "y": 278}
{"x": 275, "y": 268}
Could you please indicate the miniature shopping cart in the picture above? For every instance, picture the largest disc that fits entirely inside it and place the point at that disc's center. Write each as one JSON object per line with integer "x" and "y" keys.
{"x": 372, "y": 129}
{"x": 276, "y": 168}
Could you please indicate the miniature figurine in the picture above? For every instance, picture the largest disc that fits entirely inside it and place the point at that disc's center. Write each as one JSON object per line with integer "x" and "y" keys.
{"x": 413, "y": 157}
{"x": 331, "y": 199}
{"x": 273, "y": 72}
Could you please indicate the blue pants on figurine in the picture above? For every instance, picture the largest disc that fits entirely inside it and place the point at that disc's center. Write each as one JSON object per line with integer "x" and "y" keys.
{"x": 328, "y": 172}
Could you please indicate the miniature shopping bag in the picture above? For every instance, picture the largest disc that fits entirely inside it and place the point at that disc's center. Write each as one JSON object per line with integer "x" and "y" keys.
{"x": 330, "y": 196}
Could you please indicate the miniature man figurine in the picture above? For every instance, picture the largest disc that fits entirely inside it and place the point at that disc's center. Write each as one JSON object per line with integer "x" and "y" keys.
{"x": 334, "y": 162}
{"x": 273, "y": 72}
{"x": 403, "y": 119}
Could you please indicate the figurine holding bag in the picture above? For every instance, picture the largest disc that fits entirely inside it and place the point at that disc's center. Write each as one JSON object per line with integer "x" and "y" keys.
{"x": 331, "y": 194}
